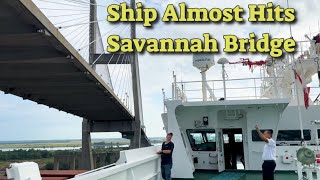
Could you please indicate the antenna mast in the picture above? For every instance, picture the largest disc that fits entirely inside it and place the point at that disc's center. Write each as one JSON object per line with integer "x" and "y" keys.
{"x": 296, "y": 85}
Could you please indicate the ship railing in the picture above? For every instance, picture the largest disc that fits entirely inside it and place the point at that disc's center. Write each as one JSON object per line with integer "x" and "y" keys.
{"x": 245, "y": 88}
{"x": 236, "y": 89}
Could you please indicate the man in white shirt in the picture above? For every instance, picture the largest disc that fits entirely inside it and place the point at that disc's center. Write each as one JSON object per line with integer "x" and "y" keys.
{"x": 269, "y": 154}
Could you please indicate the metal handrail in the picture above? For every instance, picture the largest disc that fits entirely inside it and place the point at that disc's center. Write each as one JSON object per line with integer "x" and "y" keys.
{"x": 252, "y": 90}
{"x": 264, "y": 87}
{"x": 220, "y": 80}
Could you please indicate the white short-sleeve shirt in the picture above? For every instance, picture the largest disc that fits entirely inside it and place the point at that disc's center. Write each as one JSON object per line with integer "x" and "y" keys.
{"x": 269, "y": 150}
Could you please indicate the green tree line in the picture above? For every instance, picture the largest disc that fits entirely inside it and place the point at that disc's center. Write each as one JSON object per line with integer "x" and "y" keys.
{"x": 30, "y": 154}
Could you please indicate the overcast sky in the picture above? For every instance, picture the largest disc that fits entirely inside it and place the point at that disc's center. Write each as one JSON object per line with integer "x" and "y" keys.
{"x": 25, "y": 120}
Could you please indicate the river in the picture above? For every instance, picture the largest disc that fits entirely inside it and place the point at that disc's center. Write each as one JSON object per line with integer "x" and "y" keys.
{"x": 47, "y": 148}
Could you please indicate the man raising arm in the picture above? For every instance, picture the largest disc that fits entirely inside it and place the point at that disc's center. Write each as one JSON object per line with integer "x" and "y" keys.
{"x": 268, "y": 155}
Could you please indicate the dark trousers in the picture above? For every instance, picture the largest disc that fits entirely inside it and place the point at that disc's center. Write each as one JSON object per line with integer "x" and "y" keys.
{"x": 166, "y": 171}
{"x": 268, "y": 170}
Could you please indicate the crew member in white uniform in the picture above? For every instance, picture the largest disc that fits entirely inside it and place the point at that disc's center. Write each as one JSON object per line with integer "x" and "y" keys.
{"x": 269, "y": 154}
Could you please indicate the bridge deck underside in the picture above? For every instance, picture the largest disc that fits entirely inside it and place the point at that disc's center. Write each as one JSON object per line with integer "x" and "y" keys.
{"x": 43, "y": 67}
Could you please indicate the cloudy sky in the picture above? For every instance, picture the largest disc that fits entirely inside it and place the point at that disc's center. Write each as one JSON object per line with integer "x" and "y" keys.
{"x": 25, "y": 120}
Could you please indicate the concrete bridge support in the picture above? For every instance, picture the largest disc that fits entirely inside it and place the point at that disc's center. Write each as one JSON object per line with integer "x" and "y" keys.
{"x": 68, "y": 159}
{"x": 136, "y": 89}
{"x": 86, "y": 151}
{"x": 126, "y": 127}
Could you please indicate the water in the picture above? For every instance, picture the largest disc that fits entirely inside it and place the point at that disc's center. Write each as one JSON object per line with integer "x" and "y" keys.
{"x": 48, "y": 148}
{"x": 54, "y": 148}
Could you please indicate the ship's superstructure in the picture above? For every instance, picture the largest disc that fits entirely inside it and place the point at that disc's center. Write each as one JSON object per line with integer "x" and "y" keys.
{"x": 214, "y": 128}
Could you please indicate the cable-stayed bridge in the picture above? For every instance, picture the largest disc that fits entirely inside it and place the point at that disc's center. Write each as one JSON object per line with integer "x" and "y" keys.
{"x": 53, "y": 52}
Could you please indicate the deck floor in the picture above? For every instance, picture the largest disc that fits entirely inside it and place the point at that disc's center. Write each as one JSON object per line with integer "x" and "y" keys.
{"x": 241, "y": 175}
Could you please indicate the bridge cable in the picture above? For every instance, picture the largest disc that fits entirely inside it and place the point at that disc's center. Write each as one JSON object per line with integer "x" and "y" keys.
{"x": 126, "y": 77}
{"x": 83, "y": 27}
{"x": 53, "y": 2}
{"x": 86, "y": 37}
{"x": 118, "y": 58}
{"x": 46, "y": 8}
{"x": 62, "y": 15}
{"x": 81, "y": 24}
{"x": 83, "y": 34}
{"x": 123, "y": 65}
{"x": 100, "y": 36}
{"x": 102, "y": 54}
{"x": 87, "y": 3}
{"x": 70, "y": 20}
{"x": 119, "y": 72}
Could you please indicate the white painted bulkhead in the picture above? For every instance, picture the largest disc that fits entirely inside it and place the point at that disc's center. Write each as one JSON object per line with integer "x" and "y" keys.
{"x": 183, "y": 168}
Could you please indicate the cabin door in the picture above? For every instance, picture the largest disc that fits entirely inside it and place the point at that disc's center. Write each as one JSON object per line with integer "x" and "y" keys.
{"x": 220, "y": 150}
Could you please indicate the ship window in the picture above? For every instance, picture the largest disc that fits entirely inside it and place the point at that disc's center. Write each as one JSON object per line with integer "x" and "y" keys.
{"x": 238, "y": 137}
{"x": 255, "y": 135}
{"x": 293, "y": 135}
{"x": 318, "y": 133}
{"x": 225, "y": 138}
{"x": 202, "y": 140}
{"x": 285, "y": 135}
{"x": 211, "y": 137}
{"x": 197, "y": 138}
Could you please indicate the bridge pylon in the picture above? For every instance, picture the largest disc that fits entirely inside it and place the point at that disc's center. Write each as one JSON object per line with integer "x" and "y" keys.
{"x": 130, "y": 129}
